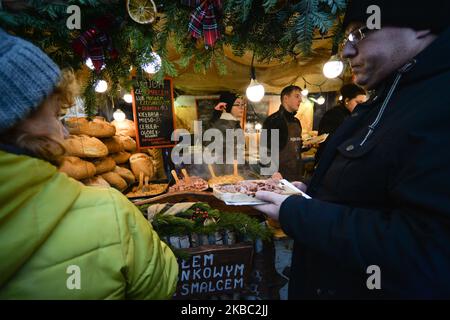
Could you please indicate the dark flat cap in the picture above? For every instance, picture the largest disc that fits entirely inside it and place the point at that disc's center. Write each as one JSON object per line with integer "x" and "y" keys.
{"x": 423, "y": 15}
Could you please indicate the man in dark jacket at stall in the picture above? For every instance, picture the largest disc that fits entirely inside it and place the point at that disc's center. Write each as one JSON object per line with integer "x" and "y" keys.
{"x": 378, "y": 223}
{"x": 290, "y": 133}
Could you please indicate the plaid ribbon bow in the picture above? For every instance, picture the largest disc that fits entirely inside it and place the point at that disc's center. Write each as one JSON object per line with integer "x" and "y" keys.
{"x": 203, "y": 19}
{"x": 92, "y": 44}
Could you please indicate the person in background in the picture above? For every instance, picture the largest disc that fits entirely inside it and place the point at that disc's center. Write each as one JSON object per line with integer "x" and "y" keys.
{"x": 378, "y": 223}
{"x": 228, "y": 112}
{"x": 290, "y": 133}
{"x": 227, "y": 115}
{"x": 352, "y": 95}
{"x": 60, "y": 239}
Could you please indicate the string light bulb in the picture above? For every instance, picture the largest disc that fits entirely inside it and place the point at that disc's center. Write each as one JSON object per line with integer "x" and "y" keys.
{"x": 333, "y": 67}
{"x": 154, "y": 66}
{"x": 321, "y": 100}
{"x": 101, "y": 86}
{"x": 305, "y": 91}
{"x": 119, "y": 115}
{"x": 255, "y": 91}
{"x": 128, "y": 98}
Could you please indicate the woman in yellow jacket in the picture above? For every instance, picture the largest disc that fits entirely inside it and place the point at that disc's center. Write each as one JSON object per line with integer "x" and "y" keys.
{"x": 60, "y": 239}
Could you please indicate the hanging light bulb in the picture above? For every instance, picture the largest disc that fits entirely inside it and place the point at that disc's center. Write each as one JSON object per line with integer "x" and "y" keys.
{"x": 101, "y": 86}
{"x": 333, "y": 67}
{"x": 255, "y": 91}
{"x": 305, "y": 91}
{"x": 258, "y": 126}
{"x": 340, "y": 98}
{"x": 154, "y": 66}
{"x": 128, "y": 98}
{"x": 321, "y": 100}
{"x": 90, "y": 65}
{"x": 119, "y": 115}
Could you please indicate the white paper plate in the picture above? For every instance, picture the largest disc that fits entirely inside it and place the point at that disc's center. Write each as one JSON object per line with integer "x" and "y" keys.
{"x": 246, "y": 200}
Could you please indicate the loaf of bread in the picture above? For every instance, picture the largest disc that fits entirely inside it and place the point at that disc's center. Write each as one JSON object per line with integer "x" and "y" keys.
{"x": 76, "y": 168}
{"x": 126, "y": 174}
{"x": 115, "y": 180}
{"x": 120, "y": 157}
{"x": 103, "y": 165}
{"x": 114, "y": 144}
{"x": 84, "y": 146}
{"x": 95, "y": 128}
{"x": 125, "y": 128}
{"x": 142, "y": 162}
{"x": 96, "y": 181}
{"x": 128, "y": 143}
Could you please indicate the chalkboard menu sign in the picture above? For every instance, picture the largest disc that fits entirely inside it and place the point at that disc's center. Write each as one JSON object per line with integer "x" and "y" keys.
{"x": 153, "y": 113}
{"x": 214, "y": 270}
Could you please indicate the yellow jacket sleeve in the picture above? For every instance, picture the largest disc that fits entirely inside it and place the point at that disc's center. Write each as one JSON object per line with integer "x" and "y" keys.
{"x": 152, "y": 269}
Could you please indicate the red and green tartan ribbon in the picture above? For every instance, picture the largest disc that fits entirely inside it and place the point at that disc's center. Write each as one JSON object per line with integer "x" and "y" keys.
{"x": 204, "y": 20}
{"x": 93, "y": 43}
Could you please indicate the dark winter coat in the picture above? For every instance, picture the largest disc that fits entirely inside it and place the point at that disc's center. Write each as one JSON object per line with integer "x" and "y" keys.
{"x": 330, "y": 121}
{"x": 290, "y": 163}
{"x": 279, "y": 120}
{"x": 381, "y": 198}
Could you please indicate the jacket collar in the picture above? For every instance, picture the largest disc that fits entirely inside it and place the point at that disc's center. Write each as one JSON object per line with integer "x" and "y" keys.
{"x": 286, "y": 113}
{"x": 15, "y": 150}
{"x": 432, "y": 60}
{"x": 228, "y": 116}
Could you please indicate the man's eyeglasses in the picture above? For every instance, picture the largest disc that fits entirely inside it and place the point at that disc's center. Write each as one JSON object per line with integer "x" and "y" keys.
{"x": 356, "y": 36}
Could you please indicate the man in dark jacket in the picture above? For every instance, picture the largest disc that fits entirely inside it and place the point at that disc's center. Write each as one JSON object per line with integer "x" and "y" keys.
{"x": 378, "y": 225}
{"x": 290, "y": 133}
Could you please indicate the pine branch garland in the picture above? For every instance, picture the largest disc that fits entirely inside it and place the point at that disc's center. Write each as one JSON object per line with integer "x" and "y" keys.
{"x": 182, "y": 224}
{"x": 269, "y": 28}
{"x": 269, "y": 4}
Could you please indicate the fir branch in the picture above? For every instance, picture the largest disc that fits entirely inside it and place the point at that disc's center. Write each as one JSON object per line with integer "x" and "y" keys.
{"x": 244, "y": 225}
{"x": 255, "y": 26}
{"x": 90, "y": 101}
{"x": 269, "y": 4}
{"x": 8, "y": 19}
{"x": 219, "y": 60}
{"x": 304, "y": 27}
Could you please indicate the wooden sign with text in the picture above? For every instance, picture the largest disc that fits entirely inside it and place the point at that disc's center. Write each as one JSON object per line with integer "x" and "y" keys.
{"x": 153, "y": 113}
{"x": 214, "y": 270}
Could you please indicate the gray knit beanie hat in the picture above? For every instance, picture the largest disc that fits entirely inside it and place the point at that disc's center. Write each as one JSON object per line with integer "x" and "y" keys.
{"x": 27, "y": 77}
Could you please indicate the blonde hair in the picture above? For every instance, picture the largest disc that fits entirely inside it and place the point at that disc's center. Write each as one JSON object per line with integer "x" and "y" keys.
{"x": 43, "y": 146}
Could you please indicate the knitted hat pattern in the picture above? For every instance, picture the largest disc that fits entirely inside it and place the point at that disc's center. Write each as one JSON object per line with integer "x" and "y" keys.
{"x": 27, "y": 77}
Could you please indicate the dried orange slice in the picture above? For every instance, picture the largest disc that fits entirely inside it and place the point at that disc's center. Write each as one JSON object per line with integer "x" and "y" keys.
{"x": 142, "y": 11}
